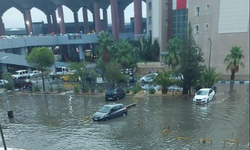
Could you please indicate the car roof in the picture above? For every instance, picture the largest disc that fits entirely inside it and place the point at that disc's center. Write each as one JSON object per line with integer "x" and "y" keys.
{"x": 205, "y": 89}
{"x": 112, "y": 105}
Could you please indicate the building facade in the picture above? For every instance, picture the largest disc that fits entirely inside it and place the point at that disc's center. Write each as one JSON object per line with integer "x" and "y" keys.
{"x": 217, "y": 27}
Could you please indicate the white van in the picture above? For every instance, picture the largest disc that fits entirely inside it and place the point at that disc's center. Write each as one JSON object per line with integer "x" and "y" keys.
{"x": 20, "y": 73}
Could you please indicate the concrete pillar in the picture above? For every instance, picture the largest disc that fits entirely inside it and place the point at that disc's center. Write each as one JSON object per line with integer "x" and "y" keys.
{"x": 26, "y": 26}
{"x": 121, "y": 19}
{"x": 114, "y": 12}
{"x": 23, "y": 51}
{"x": 61, "y": 19}
{"x": 4, "y": 67}
{"x": 85, "y": 19}
{"x": 105, "y": 19}
{"x": 28, "y": 21}
{"x": 170, "y": 20}
{"x": 2, "y": 29}
{"x": 77, "y": 28}
{"x": 55, "y": 28}
{"x": 97, "y": 17}
{"x": 49, "y": 23}
{"x": 81, "y": 54}
{"x": 138, "y": 16}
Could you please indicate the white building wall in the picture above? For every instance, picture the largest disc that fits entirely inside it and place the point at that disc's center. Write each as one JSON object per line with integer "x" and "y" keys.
{"x": 155, "y": 18}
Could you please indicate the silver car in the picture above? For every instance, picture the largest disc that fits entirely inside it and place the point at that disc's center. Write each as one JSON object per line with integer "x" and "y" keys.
{"x": 110, "y": 111}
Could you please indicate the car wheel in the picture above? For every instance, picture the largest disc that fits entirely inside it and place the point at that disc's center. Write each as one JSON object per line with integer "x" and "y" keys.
{"x": 124, "y": 114}
{"x": 107, "y": 119}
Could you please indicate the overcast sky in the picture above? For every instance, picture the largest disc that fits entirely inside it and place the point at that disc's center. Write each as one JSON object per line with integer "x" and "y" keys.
{"x": 14, "y": 19}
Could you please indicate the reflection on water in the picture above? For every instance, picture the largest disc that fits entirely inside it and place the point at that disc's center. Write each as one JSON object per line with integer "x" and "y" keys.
{"x": 50, "y": 122}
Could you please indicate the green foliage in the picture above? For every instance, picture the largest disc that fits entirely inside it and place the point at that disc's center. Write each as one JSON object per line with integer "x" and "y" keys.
{"x": 105, "y": 46}
{"x": 151, "y": 90}
{"x": 92, "y": 90}
{"x": 85, "y": 89}
{"x": 113, "y": 73}
{"x": 77, "y": 89}
{"x": 127, "y": 90}
{"x": 208, "y": 78}
{"x": 173, "y": 57}
{"x": 100, "y": 89}
{"x": 234, "y": 60}
{"x": 164, "y": 80}
{"x": 37, "y": 88}
{"x": 137, "y": 88}
{"x": 191, "y": 57}
{"x": 8, "y": 76}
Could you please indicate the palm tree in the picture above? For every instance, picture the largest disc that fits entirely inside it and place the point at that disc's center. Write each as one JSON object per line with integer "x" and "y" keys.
{"x": 124, "y": 53}
{"x": 208, "y": 78}
{"x": 164, "y": 80}
{"x": 233, "y": 60}
{"x": 173, "y": 58}
{"x": 105, "y": 46}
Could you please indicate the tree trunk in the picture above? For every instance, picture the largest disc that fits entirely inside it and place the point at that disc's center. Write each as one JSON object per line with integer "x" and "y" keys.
{"x": 164, "y": 90}
{"x": 43, "y": 81}
{"x": 233, "y": 75}
{"x": 185, "y": 91}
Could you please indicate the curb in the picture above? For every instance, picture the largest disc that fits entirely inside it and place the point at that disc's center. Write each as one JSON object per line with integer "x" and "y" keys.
{"x": 234, "y": 82}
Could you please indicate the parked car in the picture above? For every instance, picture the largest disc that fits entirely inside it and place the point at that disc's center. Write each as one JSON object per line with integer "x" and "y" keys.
{"x": 148, "y": 78}
{"x": 204, "y": 95}
{"x": 110, "y": 111}
{"x": 22, "y": 83}
{"x": 177, "y": 77}
{"x": 150, "y": 86}
{"x": 114, "y": 94}
{"x": 35, "y": 73}
{"x": 20, "y": 73}
{"x": 2, "y": 82}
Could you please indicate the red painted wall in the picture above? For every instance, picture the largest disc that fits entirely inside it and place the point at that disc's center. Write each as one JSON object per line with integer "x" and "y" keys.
{"x": 181, "y": 4}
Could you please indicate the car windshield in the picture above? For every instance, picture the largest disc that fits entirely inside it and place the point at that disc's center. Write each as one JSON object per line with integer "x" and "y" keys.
{"x": 105, "y": 109}
{"x": 201, "y": 92}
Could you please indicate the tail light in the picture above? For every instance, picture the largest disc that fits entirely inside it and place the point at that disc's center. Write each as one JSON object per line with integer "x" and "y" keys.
{"x": 126, "y": 108}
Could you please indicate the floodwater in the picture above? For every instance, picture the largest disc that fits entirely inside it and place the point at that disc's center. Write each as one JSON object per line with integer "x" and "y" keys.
{"x": 60, "y": 122}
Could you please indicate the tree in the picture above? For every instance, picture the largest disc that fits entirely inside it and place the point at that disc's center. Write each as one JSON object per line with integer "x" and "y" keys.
{"x": 8, "y": 76}
{"x": 233, "y": 60}
{"x": 80, "y": 71}
{"x": 173, "y": 57}
{"x": 164, "y": 80}
{"x": 191, "y": 57}
{"x": 208, "y": 78}
{"x": 123, "y": 53}
{"x": 41, "y": 58}
{"x": 105, "y": 46}
{"x": 113, "y": 73}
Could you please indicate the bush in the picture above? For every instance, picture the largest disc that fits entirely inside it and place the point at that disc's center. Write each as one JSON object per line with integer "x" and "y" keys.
{"x": 85, "y": 89}
{"x": 37, "y": 88}
{"x": 136, "y": 88}
{"x": 151, "y": 91}
{"x": 76, "y": 89}
{"x": 100, "y": 90}
{"x": 9, "y": 86}
{"x": 92, "y": 90}
{"x": 128, "y": 90}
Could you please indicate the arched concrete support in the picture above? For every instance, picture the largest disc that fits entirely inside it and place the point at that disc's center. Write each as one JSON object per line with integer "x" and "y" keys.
{"x": 138, "y": 16}
{"x": 49, "y": 23}
{"x": 121, "y": 19}
{"x": 2, "y": 29}
{"x": 85, "y": 19}
{"x": 97, "y": 17}
{"x": 114, "y": 15}
{"x": 61, "y": 19}
{"x": 26, "y": 26}
{"x": 28, "y": 21}
{"x": 105, "y": 19}
{"x": 77, "y": 28}
{"x": 81, "y": 54}
{"x": 3, "y": 67}
{"x": 55, "y": 28}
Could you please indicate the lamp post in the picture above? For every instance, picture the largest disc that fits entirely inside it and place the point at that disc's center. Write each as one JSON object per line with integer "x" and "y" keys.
{"x": 209, "y": 60}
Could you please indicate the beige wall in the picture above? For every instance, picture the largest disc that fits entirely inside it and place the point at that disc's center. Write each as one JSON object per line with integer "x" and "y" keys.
{"x": 221, "y": 43}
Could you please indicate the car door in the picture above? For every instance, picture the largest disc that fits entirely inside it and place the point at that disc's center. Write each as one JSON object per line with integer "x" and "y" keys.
{"x": 210, "y": 94}
{"x": 112, "y": 113}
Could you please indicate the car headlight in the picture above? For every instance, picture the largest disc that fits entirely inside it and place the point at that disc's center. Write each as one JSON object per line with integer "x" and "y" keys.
{"x": 204, "y": 98}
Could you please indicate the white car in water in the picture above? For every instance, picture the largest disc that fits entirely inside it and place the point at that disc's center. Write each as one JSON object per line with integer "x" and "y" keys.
{"x": 148, "y": 78}
{"x": 204, "y": 95}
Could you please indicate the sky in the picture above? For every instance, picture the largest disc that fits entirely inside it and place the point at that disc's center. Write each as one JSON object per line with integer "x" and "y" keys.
{"x": 12, "y": 18}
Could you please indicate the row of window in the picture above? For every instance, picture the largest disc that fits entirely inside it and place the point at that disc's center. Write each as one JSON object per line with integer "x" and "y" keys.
{"x": 197, "y": 28}
{"x": 197, "y": 9}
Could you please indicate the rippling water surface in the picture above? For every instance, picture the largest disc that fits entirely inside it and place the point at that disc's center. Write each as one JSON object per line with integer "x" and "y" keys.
{"x": 59, "y": 122}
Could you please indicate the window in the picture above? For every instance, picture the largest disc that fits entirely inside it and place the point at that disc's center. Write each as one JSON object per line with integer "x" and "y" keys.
{"x": 149, "y": 6}
{"x": 150, "y": 20}
{"x": 206, "y": 27}
{"x": 207, "y": 7}
{"x": 197, "y": 11}
{"x": 196, "y": 29}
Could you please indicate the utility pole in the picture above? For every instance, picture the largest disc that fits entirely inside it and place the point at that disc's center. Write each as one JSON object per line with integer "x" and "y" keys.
{"x": 209, "y": 53}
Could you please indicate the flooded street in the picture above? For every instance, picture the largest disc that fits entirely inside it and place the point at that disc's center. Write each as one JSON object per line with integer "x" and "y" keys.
{"x": 63, "y": 122}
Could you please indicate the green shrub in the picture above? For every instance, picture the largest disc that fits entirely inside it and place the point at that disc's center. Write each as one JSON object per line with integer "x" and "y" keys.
{"x": 85, "y": 89}
{"x": 37, "y": 88}
{"x": 136, "y": 88}
{"x": 92, "y": 90}
{"x": 151, "y": 91}
{"x": 128, "y": 90}
{"x": 100, "y": 90}
{"x": 9, "y": 86}
{"x": 76, "y": 89}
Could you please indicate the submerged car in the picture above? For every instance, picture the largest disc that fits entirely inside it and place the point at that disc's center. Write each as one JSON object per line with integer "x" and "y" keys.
{"x": 114, "y": 94}
{"x": 148, "y": 78}
{"x": 204, "y": 95}
{"x": 110, "y": 111}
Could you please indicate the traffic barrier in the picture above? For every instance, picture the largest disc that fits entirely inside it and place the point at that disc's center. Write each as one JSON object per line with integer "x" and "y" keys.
{"x": 204, "y": 140}
{"x": 131, "y": 105}
{"x": 182, "y": 138}
{"x": 231, "y": 141}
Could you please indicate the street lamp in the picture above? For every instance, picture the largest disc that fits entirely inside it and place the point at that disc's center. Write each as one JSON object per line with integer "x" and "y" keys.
{"x": 209, "y": 60}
